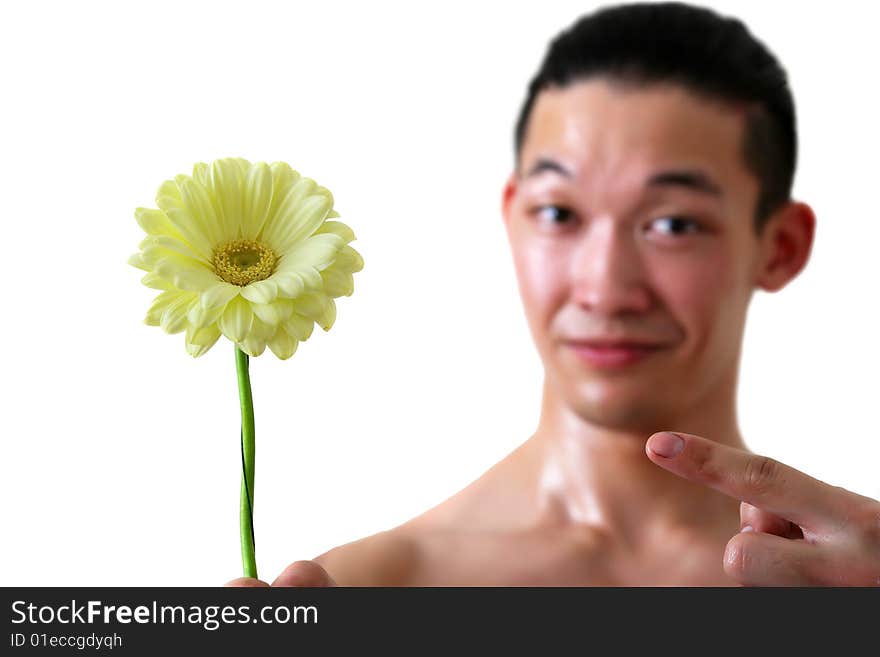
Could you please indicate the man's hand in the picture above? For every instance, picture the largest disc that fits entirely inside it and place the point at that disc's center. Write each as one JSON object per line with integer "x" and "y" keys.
{"x": 299, "y": 573}
{"x": 796, "y": 530}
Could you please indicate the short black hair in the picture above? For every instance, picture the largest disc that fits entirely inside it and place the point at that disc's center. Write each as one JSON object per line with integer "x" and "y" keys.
{"x": 710, "y": 55}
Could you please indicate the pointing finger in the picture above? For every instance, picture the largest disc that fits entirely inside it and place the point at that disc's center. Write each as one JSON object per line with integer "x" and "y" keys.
{"x": 758, "y": 480}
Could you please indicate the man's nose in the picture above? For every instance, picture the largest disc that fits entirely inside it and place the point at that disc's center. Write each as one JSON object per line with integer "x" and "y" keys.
{"x": 608, "y": 275}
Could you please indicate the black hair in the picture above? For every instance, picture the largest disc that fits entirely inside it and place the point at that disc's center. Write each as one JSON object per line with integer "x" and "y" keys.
{"x": 710, "y": 55}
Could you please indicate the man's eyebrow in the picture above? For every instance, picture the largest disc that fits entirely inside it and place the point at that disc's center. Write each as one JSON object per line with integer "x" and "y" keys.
{"x": 548, "y": 165}
{"x": 694, "y": 180}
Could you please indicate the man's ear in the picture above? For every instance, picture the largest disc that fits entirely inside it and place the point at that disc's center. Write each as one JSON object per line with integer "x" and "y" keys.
{"x": 507, "y": 196}
{"x": 785, "y": 245}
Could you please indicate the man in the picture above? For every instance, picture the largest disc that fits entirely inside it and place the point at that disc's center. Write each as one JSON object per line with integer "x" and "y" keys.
{"x": 651, "y": 197}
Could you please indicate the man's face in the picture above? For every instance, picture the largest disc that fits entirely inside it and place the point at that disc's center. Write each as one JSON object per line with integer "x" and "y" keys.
{"x": 600, "y": 251}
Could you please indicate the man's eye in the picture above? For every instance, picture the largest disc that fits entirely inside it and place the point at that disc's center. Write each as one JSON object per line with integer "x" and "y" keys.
{"x": 678, "y": 225}
{"x": 553, "y": 214}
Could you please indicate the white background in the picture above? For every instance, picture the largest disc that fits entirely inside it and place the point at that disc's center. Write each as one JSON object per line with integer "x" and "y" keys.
{"x": 120, "y": 452}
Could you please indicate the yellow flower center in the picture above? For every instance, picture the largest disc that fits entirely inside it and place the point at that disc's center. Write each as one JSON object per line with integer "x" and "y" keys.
{"x": 244, "y": 261}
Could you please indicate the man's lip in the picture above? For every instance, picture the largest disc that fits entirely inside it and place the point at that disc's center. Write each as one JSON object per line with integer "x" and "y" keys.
{"x": 612, "y": 344}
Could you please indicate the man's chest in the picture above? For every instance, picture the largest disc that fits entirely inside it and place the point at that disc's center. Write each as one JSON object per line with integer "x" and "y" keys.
{"x": 531, "y": 559}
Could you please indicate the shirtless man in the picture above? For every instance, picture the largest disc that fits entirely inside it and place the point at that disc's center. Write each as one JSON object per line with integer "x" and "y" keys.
{"x": 641, "y": 210}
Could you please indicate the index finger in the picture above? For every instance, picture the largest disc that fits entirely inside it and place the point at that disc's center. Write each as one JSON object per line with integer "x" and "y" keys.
{"x": 758, "y": 480}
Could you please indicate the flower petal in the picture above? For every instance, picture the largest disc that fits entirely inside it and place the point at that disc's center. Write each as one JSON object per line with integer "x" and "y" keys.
{"x": 137, "y": 260}
{"x": 318, "y": 251}
{"x": 261, "y": 329}
{"x": 158, "y": 306}
{"x": 349, "y": 260}
{"x": 235, "y": 322}
{"x": 337, "y": 228}
{"x": 199, "y": 203}
{"x": 303, "y": 209}
{"x": 337, "y": 283}
{"x": 201, "y": 340}
{"x": 202, "y": 336}
{"x": 311, "y": 305}
{"x": 290, "y": 284}
{"x": 253, "y": 345}
{"x": 170, "y": 202}
{"x": 156, "y": 246}
{"x": 303, "y": 221}
{"x": 299, "y": 327}
{"x": 265, "y": 291}
{"x": 227, "y": 184}
{"x": 199, "y": 317}
{"x": 154, "y": 222}
{"x": 156, "y": 282}
{"x": 173, "y": 319}
{"x": 195, "y": 280}
{"x": 257, "y": 200}
{"x": 219, "y": 295}
{"x": 328, "y": 318}
{"x": 282, "y": 344}
{"x": 185, "y": 273}
{"x": 271, "y": 313}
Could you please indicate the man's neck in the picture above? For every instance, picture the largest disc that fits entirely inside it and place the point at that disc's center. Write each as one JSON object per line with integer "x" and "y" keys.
{"x": 599, "y": 476}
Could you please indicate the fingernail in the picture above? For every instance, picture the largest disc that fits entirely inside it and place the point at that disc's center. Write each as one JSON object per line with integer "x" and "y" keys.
{"x": 666, "y": 444}
{"x": 746, "y": 528}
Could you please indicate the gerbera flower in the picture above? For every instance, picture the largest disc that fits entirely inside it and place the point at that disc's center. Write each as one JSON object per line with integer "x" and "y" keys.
{"x": 249, "y": 251}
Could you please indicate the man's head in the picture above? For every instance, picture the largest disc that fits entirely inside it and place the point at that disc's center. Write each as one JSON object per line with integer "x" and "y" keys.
{"x": 651, "y": 194}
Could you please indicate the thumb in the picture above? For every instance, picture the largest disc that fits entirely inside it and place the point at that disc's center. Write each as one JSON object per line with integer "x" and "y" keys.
{"x": 304, "y": 573}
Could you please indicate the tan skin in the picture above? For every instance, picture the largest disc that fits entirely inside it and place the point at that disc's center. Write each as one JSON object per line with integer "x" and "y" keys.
{"x": 589, "y": 499}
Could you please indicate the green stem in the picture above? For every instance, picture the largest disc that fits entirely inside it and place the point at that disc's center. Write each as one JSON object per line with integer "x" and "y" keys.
{"x": 246, "y": 510}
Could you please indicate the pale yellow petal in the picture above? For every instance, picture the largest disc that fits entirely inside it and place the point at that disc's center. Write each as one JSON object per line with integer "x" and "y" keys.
{"x": 311, "y": 277}
{"x": 328, "y": 318}
{"x": 305, "y": 219}
{"x": 173, "y": 318}
{"x": 269, "y": 313}
{"x": 299, "y": 327}
{"x": 310, "y": 305}
{"x": 337, "y": 228}
{"x": 253, "y": 346}
{"x": 337, "y": 283}
{"x": 201, "y": 340}
{"x": 235, "y": 322}
{"x": 156, "y": 282}
{"x": 156, "y": 246}
{"x": 199, "y": 317}
{"x": 257, "y": 200}
{"x": 202, "y": 174}
{"x": 318, "y": 251}
{"x": 349, "y": 260}
{"x": 265, "y": 291}
{"x": 154, "y": 222}
{"x": 263, "y": 329}
{"x": 227, "y": 186}
{"x": 219, "y": 295}
{"x": 282, "y": 344}
{"x": 158, "y": 306}
{"x": 170, "y": 202}
{"x": 185, "y": 273}
{"x": 137, "y": 260}
{"x": 197, "y": 201}
{"x": 202, "y": 336}
{"x": 290, "y": 285}
{"x": 303, "y": 209}
{"x": 195, "y": 280}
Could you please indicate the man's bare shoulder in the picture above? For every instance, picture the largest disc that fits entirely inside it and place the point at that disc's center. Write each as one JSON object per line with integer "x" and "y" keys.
{"x": 387, "y": 558}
